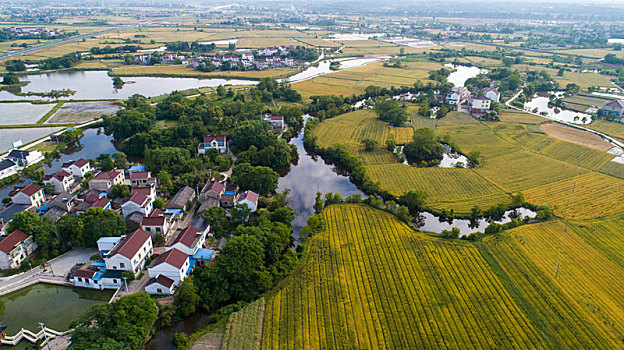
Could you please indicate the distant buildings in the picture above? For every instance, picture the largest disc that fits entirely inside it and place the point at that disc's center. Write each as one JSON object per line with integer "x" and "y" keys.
{"x": 276, "y": 122}
{"x": 480, "y": 105}
{"x": 457, "y": 95}
{"x": 614, "y": 107}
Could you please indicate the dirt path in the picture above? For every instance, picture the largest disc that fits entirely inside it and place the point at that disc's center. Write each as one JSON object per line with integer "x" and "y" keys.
{"x": 579, "y": 137}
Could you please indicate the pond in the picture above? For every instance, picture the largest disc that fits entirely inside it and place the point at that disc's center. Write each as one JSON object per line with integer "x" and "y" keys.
{"x": 162, "y": 340}
{"x": 93, "y": 143}
{"x": 322, "y": 67}
{"x": 97, "y": 85}
{"x": 462, "y": 73}
{"x": 309, "y": 175}
{"x": 23, "y": 113}
{"x": 430, "y": 223}
{"x": 62, "y": 305}
{"x": 540, "y": 101}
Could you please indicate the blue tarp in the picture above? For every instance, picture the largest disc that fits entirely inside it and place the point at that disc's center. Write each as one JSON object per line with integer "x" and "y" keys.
{"x": 203, "y": 254}
{"x": 43, "y": 207}
{"x": 136, "y": 168}
{"x": 192, "y": 261}
{"x": 229, "y": 193}
{"x": 173, "y": 211}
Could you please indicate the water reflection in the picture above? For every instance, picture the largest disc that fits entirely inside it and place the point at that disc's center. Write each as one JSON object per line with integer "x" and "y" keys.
{"x": 540, "y": 103}
{"x": 462, "y": 73}
{"x": 431, "y": 223}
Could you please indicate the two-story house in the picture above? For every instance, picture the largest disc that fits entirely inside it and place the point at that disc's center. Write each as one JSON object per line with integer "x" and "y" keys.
{"x": 276, "y": 122}
{"x": 61, "y": 180}
{"x": 213, "y": 190}
{"x": 31, "y": 196}
{"x": 78, "y": 168}
{"x": 25, "y": 158}
{"x": 15, "y": 248}
{"x": 248, "y": 198}
{"x": 218, "y": 142}
{"x": 173, "y": 264}
{"x": 480, "y": 105}
{"x": 138, "y": 178}
{"x": 189, "y": 240}
{"x": 137, "y": 202}
{"x": 156, "y": 223}
{"x": 105, "y": 180}
{"x": 130, "y": 252}
{"x": 457, "y": 95}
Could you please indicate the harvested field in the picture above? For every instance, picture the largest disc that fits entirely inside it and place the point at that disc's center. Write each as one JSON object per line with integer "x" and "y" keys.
{"x": 576, "y": 136}
{"x": 79, "y": 112}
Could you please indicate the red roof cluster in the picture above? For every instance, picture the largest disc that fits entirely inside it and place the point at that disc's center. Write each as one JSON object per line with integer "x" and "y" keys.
{"x": 140, "y": 175}
{"x": 107, "y": 175}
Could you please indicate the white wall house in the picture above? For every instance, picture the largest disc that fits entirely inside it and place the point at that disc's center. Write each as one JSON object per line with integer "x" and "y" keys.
{"x": 130, "y": 252}
{"x": 155, "y": 224}
{"x": 480, "y": 104}
{"x": 138, "y": 202}
{"x": 61, "y": 180}
{"x": 15, "y": 248}
{"x": 189, "y": 240}
{"x": 78, "y": 168}
{"x": 218, "y": 142}
{"x": 160, "y": 285}
{"x": 31, "y": 196}
{"x": 248, "y": 198}
{"x": 172, "y": 264}
{"x": 7, "y": 168}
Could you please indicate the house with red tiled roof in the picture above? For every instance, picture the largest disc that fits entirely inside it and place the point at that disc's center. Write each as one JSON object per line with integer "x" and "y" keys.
{"x": 137, "y": 202}
{"x": 138, "y": 178}
{"x": 78, "y": 168}
{"x": 31, "y": 196}
{"x": 189, "y": 240}
{"x": 156, "y": 223}
{"x": 213, "y": 190}
{"x": 218, "y": 142}
{"x": 148, "y": 190}
{"x": 15, "y": 248}
{"x": 61, "y": 180}
{"x": 130, "y": 252}
{"x": 160, "y": 285}
{"x": 248, "y": 198}
{"x": 105, "y": 180}
{"x": 276, "y": 121}
{"x": 173, "y": 264}
{"x": 103, "y": 203}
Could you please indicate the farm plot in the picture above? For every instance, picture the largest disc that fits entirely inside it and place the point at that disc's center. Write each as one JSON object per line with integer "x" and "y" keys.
{"x": 591, "y": 283}
{"x": 605, "y": 235}
{"x": 576, "y": 136}
{"x": 551, "y": 311}
{"x": 244, "y": 328}
{"x": 402, "y": 135}
{"x": 477, "y": 137}
{"x": 519, "y": 117}
{"x": 78, "y": 112}
{"x": 455, "y": 118}
{"x": 609, "y": 128}
{"x": 577, "y": 155}
{"x": 587, "y": 196}
{"x": 521, "y": 170}
{"x": 371, "y": 282}
{"x": 613, "y": 169}
{"x": 447, "y": 188}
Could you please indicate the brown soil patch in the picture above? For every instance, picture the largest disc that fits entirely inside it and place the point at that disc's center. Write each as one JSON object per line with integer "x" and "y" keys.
{"x": 579, "y": 137}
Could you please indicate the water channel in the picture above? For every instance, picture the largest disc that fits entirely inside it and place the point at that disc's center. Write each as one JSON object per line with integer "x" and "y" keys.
{"x": 540, "y": 102}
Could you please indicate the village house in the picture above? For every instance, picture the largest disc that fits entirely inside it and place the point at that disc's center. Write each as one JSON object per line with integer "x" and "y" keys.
{"x": 276, "y": 121}
{"x": 31, "y": 196}
{"x": 218, "y": 142}
{"x": 139, "y": 178}
{"x": 78, "y": 168}
{"x": 457, "y": 95}
{"x": 24, "y": 158}
{"x": 61, "y": 205}
{"x": 182, "y": 198}
{"x": 137, "y": 203}
{"x": 248, "y": 198}
{"x": 172, "y": 264}
{"x": 96, "y": 275}
{"x": 61, "y": 180}
{"x": 212, "y": 189}
{"x": 491, "y": 94}
{"x": 15, "y": 248}
{"x": 189, "y": 240}
{"x": 8, "y": 212}
{"x": 160, "y": 285}
{"x": 142, "y": 58}
{"x": 170, "y": 57}
{"x": 288, "y": 61}
{"x": 105, "y": 180}
{"x": 247, "y": 56}
{"x": 614, "y": 107}
{"x": 130, "y": 253}
{"x": 148, "y": 190}
{"x": 7, "y": 168}
{"x": 480, "y": 105}
{"x": 156, "y": 223}
{"x": 106, "y": 244}
{"x": 227, "y": 201}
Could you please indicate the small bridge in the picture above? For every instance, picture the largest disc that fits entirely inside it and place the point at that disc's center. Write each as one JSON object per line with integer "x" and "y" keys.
{"x": 32, "y": 337}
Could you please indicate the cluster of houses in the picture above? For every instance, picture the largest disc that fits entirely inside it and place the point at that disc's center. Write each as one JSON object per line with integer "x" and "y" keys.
{"x": 28, "y": 31}
{"x": 217, "y": 194}
{"x": 17, "y": 160}
{"x": 260, "y": 59}
{"x": 478, "y": 101}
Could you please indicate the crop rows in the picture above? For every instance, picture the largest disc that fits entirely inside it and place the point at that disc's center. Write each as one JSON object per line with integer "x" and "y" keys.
{"x": 244, "y": 329}
{"x": 605, "y": 235}
{"x": 613, "y": 169}
{"x": 370, "y": 282}
{"x": 402, "y": 135}
{"x": 578, "y": 155}
{"x": 477, "y": 137}
{"x": 521, "y": 170}
{"x": 587, "y": 196}
{"x": 588, "y": 286}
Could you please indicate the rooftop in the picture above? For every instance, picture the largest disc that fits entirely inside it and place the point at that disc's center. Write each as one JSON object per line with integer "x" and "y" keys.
{"x": 12, "y": 240}
{"x": 173, "y": 257}
{"x": 188, "y": 236}
{"x": 131, "y": 244}
{"x": 30, "y": 189}
{"x": 162, "y": 280}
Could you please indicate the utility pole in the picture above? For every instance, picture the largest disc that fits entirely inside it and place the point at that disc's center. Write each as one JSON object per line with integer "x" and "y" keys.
{"x": 557, "y": 272}
{"x": 126, "y": 283}
{"x": 566, "y": 226}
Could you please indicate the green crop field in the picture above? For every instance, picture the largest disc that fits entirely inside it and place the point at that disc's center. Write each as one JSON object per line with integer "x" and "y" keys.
{"x": 605, "y": 235}
{"x": 244, "y": 328}
{"x": 477, "y": 137}
{"x": 577, "y": 155}
{"x": 613, "y": 169}
{"x": 519, "y": 117}
{"x": 369, "y": 281}
{"x": 609, "y": 128}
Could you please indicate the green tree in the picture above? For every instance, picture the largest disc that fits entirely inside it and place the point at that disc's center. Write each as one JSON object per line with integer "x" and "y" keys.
{"x": 369, "y": 144}
{"x": 414, "y": 200}
{"x": 159, "y": 203}
{"x": 101, "y": 223}
{"x": 43, "y": 231}
{"x": 186, "y": 298}
{"x": 120, "y": 191}
{"x": 71, "y": 229}
{"x": 240, "y": 213}
{"x": 219, "y": 224}
{"x": 165, "y": 181}
{"x": 10, "y": 79}
{"x": 318, "y": 203}
{"x": 105, "y": 162}
{"x": 260, "y": 179}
